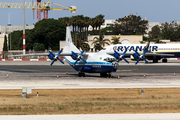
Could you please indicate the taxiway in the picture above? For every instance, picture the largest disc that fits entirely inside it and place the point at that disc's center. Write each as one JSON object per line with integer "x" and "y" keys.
{"x": 40, "y": 75}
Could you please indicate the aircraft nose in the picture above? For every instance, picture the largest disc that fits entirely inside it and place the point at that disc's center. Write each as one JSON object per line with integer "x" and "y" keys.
{"x": 115, "y": 65}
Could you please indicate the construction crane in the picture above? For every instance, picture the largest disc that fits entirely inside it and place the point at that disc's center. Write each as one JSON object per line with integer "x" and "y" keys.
{"x": 40, "y": 7}
{"x": 44, "y": 7}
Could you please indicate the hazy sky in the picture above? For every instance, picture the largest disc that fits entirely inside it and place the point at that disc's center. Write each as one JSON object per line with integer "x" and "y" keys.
{"x": 153, "y": 10}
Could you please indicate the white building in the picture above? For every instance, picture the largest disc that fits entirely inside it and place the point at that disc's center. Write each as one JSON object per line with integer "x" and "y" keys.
{"x": 9, "y": 29}
{"x": 150, "y": 26}
{"x": 5, "y": 30}
{"x": 107, "y": 23}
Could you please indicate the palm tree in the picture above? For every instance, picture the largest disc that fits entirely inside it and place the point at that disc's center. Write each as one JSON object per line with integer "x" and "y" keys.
{"x": 80, "y": 23}
{"x": 115, "y": 40}
{"x": 101, "y": 41}
{"x": 93, "y": 24}
{"x": 100, "y": 21}
{"x": 87, "y": 22}
{"x": 80, "y": 26}
{"x": 82, "y": 44}
{"x": 73, "y": 20}
{"x": 65, "y": 20}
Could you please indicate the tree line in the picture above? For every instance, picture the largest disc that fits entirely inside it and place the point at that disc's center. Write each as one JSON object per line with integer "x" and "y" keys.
{"x": 166, "y": 31}
{"x": 48, "y": 32}
{"x": 46, "y": 35}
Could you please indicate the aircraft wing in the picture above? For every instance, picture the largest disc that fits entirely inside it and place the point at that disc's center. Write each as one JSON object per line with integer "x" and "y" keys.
{"x": 44, "y": 54}
{"x": 33, "y": 54}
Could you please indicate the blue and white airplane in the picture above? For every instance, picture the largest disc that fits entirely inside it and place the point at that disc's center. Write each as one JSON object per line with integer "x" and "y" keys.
{"x": 100, "y": 62}
{"x": 154, "y": 52}
{"x": 103, "y": 62}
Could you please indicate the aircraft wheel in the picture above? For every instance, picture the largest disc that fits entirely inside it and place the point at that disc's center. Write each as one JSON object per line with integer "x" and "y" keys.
{"x": 83, "y": 74}
{"x": 109, "y": 75}
{"x": 164, "y": 60}
{"x": 155, "y": 61}
{"x": 103, "y": 74}
{"x": 79, "y": 74}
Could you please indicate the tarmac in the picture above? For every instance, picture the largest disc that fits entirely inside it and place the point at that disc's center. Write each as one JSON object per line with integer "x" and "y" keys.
{"x": 42, "y": 77}
{"x": 156, "y": 116}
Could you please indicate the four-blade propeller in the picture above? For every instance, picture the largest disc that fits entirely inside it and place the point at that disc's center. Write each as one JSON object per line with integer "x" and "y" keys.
{"x": 119, "y": 56}
{"x": 142, "y": 56}
{"x": 55, "y": 58}
{"x": 78, "y": 58}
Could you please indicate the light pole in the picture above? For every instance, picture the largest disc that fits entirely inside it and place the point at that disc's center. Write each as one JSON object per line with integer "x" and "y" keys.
{"x": 24, "y": 42}
{"x": 10, "y": 41}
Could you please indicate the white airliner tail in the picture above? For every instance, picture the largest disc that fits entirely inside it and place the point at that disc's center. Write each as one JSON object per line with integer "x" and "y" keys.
{"x": 69, "y": 44}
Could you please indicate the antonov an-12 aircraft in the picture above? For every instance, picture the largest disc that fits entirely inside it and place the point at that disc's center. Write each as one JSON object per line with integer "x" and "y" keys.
{"x": 103, "y": 62}
{"x": 155, "y": 51}
{"x": 99, "y": 62}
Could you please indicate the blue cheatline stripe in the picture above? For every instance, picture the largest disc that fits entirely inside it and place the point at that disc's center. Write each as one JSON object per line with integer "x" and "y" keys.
{"x": 89, "y": 63}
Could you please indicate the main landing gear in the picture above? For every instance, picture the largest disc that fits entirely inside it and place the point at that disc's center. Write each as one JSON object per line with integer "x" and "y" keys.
{"x": 164, "y": 60}
{"x": 81, "y": 74}
{"x": 108, "y": 75}
{"x": 155, "y": 60}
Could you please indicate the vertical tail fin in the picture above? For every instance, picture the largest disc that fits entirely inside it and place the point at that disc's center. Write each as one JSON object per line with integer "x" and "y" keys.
{"x": 147, "y": 46}
{"x": 68, "y": 36}
{"x": 69, "y": 44}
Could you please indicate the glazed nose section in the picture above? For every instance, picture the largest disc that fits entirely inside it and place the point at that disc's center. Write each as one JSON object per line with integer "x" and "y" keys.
{"x": 115, "y": 65}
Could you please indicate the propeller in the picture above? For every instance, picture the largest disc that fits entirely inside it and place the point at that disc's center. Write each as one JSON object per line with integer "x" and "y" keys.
{"x": 142, "y": 56}
{"x": 78, "y": 58}
{"x": 55, "y": 58}
{"x": 120, "y": 57}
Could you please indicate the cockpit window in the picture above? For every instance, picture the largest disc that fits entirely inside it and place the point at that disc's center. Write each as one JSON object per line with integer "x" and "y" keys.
{"x": 104, "y": 48}
{"x": 108, "y": 59}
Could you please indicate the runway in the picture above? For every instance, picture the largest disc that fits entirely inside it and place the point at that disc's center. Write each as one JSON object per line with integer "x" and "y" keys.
{"x": 40, "y": 75}
{"x": 161, "y": 116}
{"x": 63, "y": 68}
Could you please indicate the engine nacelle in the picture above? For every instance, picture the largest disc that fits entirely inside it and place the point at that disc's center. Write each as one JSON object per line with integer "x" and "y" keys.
{"x": 51, "y": 56}
{"x": 74, "y": 56}
{"x": 136, "y": 56}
